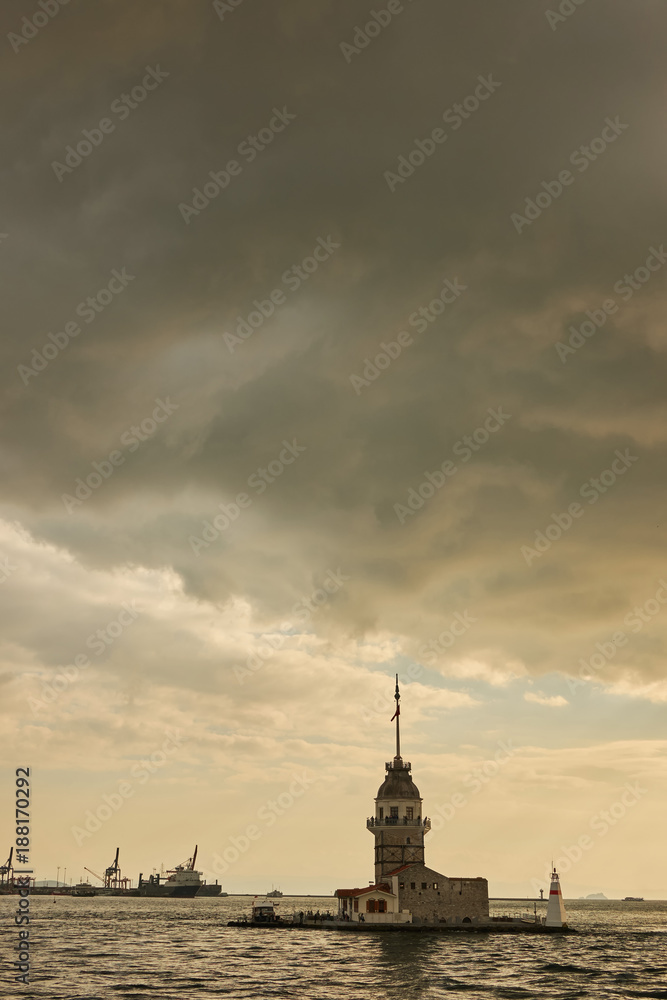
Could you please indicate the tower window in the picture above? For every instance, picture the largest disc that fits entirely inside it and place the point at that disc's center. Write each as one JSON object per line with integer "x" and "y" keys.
{"x": 394, "y": 812}
{"x": 413, "y": 885}
{"x": 409, "y": 812}
{"x": 381, "y": 813}
{"x": 424, "y": 885}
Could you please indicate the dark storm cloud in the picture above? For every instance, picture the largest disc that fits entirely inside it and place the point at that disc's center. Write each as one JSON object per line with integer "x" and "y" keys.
{"x": 548, "y": 92}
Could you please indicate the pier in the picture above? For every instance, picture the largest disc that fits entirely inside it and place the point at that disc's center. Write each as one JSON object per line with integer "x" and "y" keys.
{"x": 494, "y": 926}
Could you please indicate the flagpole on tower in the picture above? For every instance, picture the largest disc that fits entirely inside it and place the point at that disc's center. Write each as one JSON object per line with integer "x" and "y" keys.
{"x": 396, "y": 716}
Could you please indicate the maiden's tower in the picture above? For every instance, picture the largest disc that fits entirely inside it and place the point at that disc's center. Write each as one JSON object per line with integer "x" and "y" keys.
{"x": 404, "y": 889}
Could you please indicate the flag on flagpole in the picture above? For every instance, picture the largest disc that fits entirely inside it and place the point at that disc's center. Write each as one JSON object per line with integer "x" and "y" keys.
{"x": 397, "y": 696}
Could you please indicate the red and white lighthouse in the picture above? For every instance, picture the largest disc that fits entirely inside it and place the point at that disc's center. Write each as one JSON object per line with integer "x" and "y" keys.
{"x": 556, "y": 915}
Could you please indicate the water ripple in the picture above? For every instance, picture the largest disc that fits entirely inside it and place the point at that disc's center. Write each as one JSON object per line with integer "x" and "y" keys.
{"x": 145, "y": 949}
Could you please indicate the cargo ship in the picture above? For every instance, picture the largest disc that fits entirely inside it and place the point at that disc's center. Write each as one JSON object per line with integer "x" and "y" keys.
{"x": 183, "y": 881}
{"x": 84, "y": 889}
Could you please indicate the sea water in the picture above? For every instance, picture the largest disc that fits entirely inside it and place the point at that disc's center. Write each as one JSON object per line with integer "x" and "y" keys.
{"x": 181, "y": 949}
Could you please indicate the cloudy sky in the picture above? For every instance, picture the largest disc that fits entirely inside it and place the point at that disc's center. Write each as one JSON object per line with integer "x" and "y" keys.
{"x": 333, "y": 348}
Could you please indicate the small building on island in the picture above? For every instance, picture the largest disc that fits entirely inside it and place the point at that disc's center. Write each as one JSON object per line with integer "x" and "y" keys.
{"x": 404, "y": 889}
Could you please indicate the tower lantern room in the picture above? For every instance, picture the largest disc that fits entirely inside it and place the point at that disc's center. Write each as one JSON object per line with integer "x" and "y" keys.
{"x": 398, "y": 825}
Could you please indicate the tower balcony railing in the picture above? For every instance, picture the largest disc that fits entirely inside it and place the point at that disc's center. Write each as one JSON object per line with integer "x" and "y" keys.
{"x": 398, "y": 764}
{"x": 372, "y": 822}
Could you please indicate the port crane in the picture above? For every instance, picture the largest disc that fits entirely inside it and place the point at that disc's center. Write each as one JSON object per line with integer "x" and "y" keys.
{"x": 8, "y": 875}
{"x": 112, "y": 875}
{"x": 94, "y": 873}
{"x": 187, "y": 866}
{"x": 7, "y": 870}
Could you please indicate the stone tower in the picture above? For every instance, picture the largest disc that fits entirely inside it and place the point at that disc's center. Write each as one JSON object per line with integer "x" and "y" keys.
{"x": 398, "y": 826}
